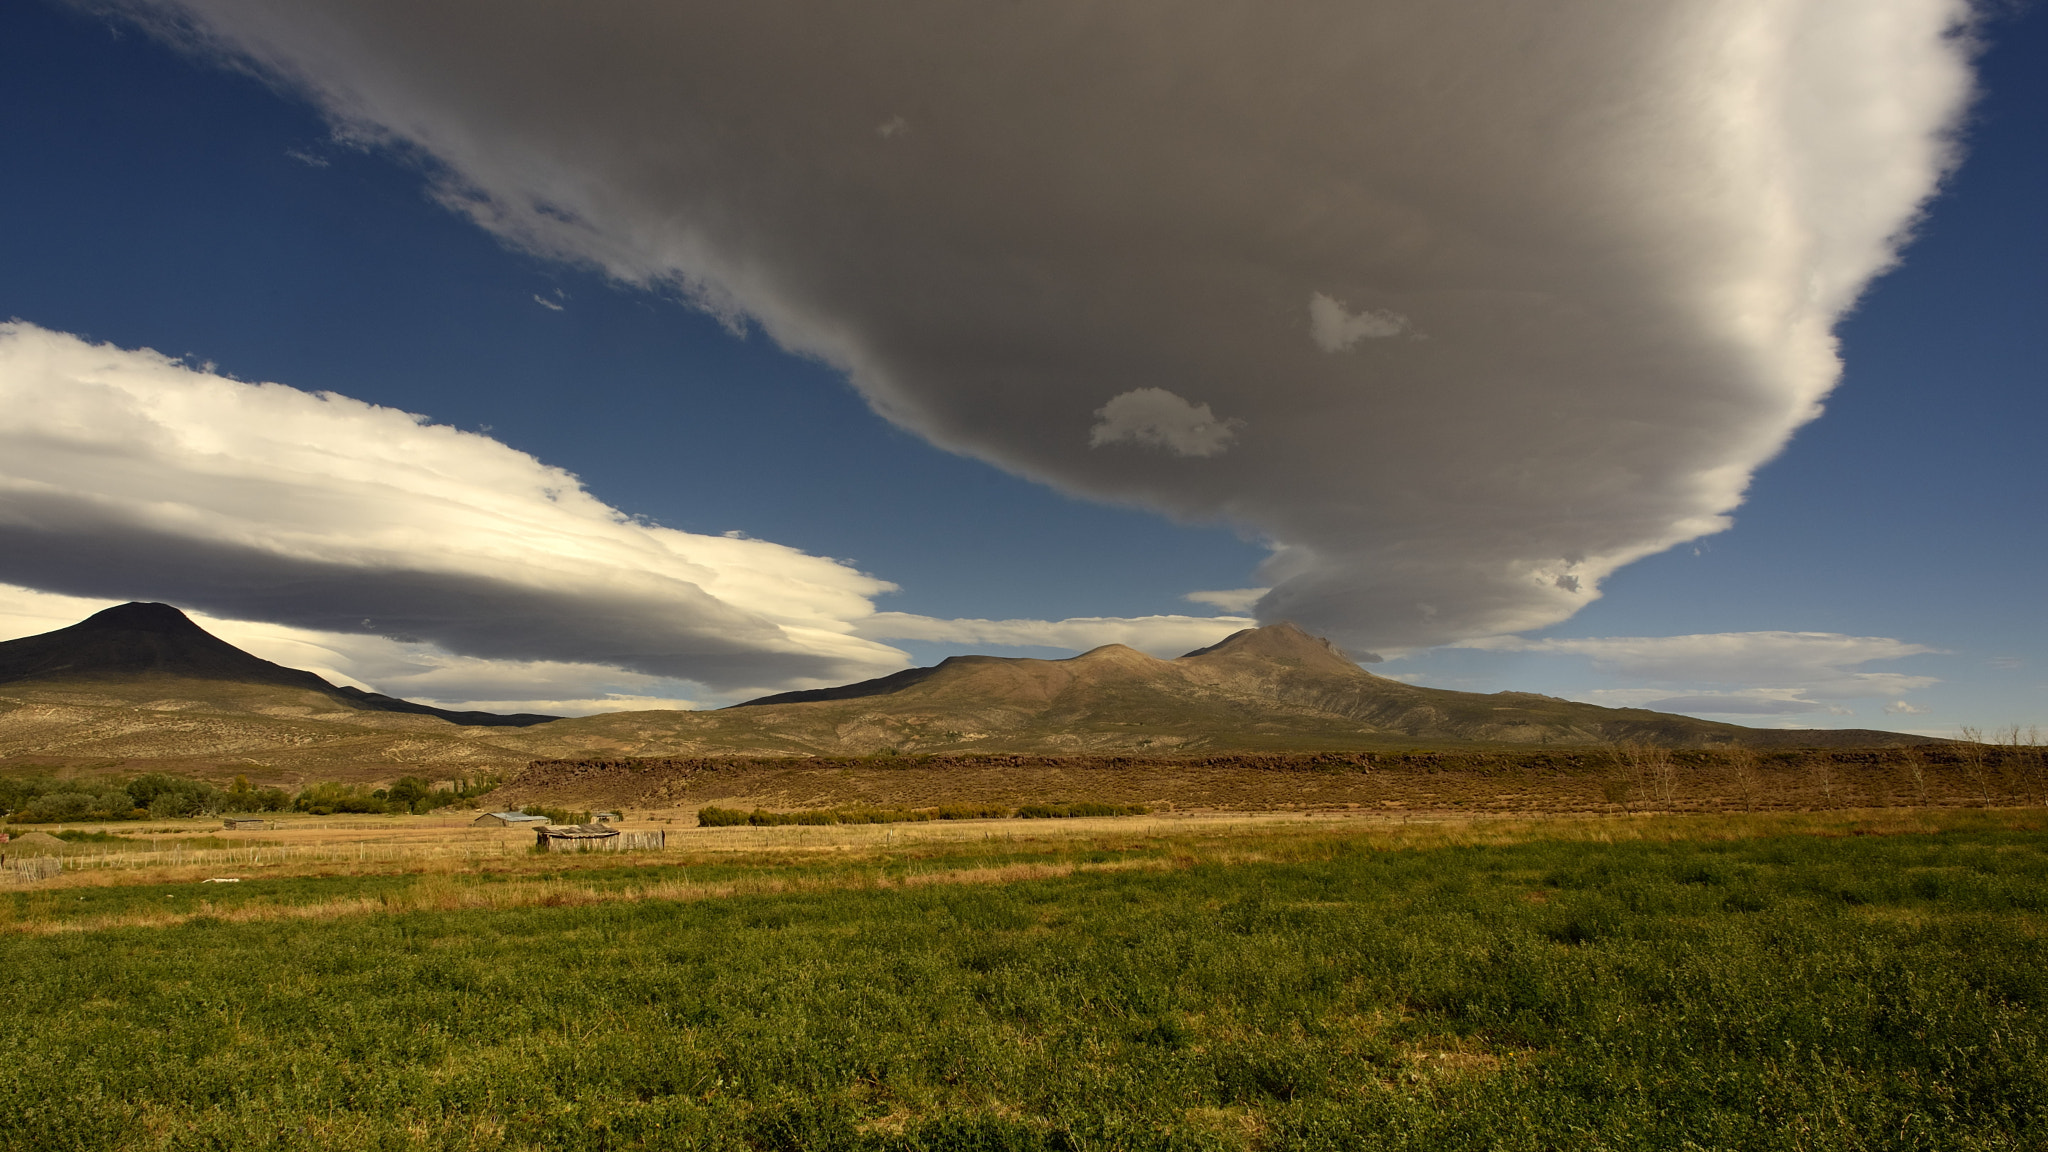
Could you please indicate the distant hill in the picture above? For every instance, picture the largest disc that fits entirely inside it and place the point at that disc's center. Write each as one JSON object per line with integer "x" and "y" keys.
{"x": 142, "y": 685}
{"x": 1262, "y": 688}
{"x": 151, "y": 643}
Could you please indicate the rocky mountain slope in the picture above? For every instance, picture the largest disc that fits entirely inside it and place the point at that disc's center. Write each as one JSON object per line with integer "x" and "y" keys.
{"x": 142, "y": 683}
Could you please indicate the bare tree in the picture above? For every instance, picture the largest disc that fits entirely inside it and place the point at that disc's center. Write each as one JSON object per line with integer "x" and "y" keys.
{"x": 1916, "y": 766}
{"x": 1970, "y": 753}
{"x": 1742, "y": 763}
{"x": 1622, "y": 778}
{"x": 1824, "y": 775}
{"x": 2023, "y": 753}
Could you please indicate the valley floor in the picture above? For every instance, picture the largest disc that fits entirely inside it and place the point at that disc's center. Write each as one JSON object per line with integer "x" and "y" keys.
{"x": 1822, "y": 980}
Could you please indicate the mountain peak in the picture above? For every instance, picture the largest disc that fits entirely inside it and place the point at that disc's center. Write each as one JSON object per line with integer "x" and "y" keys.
{"x": 1282, "y": 641}
{"x": 142, "y": 639}
{"x": 156, "y": 640}
{"x": 137, "y": 616}
{"x": 1116, "y": 653}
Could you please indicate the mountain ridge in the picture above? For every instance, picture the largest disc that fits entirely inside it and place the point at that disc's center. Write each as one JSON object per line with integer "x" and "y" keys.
{"x": 143, "y": 683}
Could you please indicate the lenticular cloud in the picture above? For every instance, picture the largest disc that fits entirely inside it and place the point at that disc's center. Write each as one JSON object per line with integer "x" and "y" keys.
{"x": 130, "y": 475}
{"x": 1484, "y": 298}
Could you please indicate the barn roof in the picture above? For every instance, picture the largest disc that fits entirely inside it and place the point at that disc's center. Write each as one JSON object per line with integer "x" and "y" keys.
{"x": 577, "y": 831}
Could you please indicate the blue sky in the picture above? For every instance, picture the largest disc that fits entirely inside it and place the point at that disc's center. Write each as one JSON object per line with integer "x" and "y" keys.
{"x": 157, "y": 199}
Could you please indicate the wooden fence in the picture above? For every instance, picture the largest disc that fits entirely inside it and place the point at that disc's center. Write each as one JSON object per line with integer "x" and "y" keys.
{"x": 26, "y": 869}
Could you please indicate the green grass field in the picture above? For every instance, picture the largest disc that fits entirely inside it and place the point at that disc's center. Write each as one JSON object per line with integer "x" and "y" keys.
{"x": 1308, "y": 990}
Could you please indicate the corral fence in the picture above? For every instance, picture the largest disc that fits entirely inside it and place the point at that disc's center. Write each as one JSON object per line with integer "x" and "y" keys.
{"x": 27, "y": 869}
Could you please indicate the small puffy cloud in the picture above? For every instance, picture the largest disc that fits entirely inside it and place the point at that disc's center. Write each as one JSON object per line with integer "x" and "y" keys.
{"x": 1235, "y": 600}
{"x": 1631, "y": 229}
{"x": 1905, "y": 708}
{"x": 1159, "y": 418}
{"x": 546, "y": 303}
{"x": 130, "y": 475}
{"x": 1334, "y": 329}
{"x": 1163, "y": 636}
{"x": 893, "y": 127}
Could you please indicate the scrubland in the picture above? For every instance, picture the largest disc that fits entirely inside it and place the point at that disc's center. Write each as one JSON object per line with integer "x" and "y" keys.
{"x": 1821, "y": 980}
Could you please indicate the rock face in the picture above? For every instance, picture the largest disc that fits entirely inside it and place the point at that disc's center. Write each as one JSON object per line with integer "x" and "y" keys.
{"x": 156, "y": 641}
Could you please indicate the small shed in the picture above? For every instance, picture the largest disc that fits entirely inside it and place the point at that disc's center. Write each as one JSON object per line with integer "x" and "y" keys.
{"x": 244, "y": 823}
{"x": 573, "y": 837}
{"x": 509, "y": 820}
{"x": 606, "y": 817}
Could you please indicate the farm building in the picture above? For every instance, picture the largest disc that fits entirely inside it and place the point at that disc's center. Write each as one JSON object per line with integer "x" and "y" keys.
{"x": 509, "y": 819}
{"x": 570, "y": 837}
{"x": 596, "y": 837}
{"x": 606, "y": 817}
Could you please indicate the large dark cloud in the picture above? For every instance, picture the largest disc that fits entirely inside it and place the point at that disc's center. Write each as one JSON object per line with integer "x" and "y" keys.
{"x": 1461, "y": 304}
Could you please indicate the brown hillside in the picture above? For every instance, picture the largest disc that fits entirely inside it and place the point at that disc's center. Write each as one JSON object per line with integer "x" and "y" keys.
{"x": 147, "y": 688}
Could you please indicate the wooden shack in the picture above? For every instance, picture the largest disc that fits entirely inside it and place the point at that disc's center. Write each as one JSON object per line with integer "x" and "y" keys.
{"x": 508, "y": 820}
{"x": 573, "y": 837}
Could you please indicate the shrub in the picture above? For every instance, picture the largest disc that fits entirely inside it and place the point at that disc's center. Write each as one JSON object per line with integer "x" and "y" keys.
{"x": 1083, "y": 808}
{"x": 325, "y": 799}
{"x": 557, "y": 815}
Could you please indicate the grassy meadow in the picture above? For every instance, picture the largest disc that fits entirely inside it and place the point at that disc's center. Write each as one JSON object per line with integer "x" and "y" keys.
{"x": 1799, "y": 982}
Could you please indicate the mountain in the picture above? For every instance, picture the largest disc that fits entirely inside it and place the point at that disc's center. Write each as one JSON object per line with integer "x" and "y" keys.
{"x": 153, "y": 643}
{"x": 1262, "y": 688}
{"x": 141, "y": 686}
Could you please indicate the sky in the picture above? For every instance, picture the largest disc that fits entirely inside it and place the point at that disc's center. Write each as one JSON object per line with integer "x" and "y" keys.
{"x": 659, "y": 355}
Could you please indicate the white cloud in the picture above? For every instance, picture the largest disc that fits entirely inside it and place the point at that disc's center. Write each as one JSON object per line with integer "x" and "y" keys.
{"x": 1750, "y": 702}
{"x": 1334, "y": 329}
{"x": 546, "y": 303}
{"x": 1823, "y": 664}
{"x": 1159, "y": 418}
{"x": 1629, "y": 228}
{"x": 1904, "y": 708}
{"x": 1237, "y": 600}
{"x": 128, "y": 475}
{"x": 1163, "y": 636}
{"x": 1737, "y": 673}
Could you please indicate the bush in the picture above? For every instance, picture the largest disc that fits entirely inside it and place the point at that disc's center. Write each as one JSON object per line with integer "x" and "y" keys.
{"x": 1066, "y": 811}
{"x": 557, "y": 815}
{"x": 47, "y": 801}
{"x": 240, "y": 797}
{"x": 326, "y": 799}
